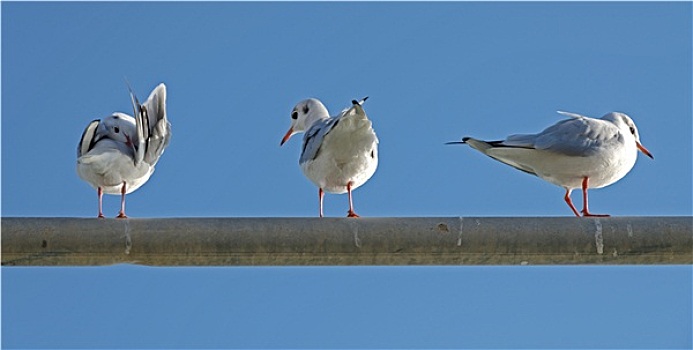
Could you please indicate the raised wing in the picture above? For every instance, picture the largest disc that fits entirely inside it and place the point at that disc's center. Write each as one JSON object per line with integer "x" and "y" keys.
{"x": 153, "y": 129}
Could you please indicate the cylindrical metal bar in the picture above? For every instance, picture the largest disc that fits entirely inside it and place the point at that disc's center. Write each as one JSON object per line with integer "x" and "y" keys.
{"x": 347, "y": 241}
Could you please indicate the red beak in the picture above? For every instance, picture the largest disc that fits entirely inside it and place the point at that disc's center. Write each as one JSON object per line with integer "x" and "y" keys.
{"x": 287, "y": 136}
{"x": 129, "y": 141}
{"x": 644, "y": 150}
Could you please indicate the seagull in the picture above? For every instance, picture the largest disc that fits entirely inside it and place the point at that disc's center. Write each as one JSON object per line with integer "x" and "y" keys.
{"x": 339, "y": 153}
{"x": 117, "y": 154}
{"x": 579, "y": 152}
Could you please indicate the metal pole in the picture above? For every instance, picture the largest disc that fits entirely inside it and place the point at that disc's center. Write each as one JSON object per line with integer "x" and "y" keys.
{"x": 346, "y": 241}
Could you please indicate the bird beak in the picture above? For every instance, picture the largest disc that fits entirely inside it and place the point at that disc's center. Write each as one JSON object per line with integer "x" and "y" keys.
{"x": 644, "y": 150}
{"x": 129, "y": 141}
{"x": 287, "y": 136}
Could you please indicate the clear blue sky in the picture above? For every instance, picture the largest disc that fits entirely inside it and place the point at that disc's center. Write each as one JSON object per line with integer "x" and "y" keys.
{"x": 434, "y": 72}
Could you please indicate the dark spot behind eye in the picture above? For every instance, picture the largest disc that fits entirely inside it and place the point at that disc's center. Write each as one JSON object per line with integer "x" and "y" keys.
{"x": 294, "y": 115}
{"x": 305, "y": 109}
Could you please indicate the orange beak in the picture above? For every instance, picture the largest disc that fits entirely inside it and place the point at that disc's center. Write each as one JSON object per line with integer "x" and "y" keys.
{"x": 287, "y": 136}
{"x": 644, "y": 150}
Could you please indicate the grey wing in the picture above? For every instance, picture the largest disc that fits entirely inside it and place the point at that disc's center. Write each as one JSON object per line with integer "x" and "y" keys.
{"x": 519, "y": 140}
{"x": 88, "y": 138}
{"x": 153, "y": 129}
{"x": 316, "y": 134}
{"x": 551, "y": 136}
{"x": 313, "y": 138}
{"x": 580, "y": 136}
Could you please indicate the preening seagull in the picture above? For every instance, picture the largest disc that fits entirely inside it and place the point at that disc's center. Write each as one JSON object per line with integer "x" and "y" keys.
{"x": 117, "y": 154}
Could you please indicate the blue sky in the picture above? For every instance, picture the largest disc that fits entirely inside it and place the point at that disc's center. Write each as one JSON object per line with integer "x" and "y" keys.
{"x": 434, "y": 72}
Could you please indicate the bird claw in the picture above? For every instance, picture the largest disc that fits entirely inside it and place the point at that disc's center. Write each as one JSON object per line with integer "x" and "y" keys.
{"x": 587, "y": 215}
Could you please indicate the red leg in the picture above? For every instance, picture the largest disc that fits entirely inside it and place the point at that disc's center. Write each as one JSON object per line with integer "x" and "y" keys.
{"x": 585, "y": 210}
{"x": 122, "y": 203}
{"x": 351, "y": 213}
{"x": 320, "y": 195}
{"x": 99, "y": 192}
{"x": 570, "y": 202}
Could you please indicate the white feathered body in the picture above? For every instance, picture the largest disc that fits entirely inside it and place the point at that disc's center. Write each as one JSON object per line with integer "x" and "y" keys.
{"x": 348, "y": 153}
{"x": 111, "y": 163}
{"x": 121, "y": 150}
{"x": 603, "y": 150}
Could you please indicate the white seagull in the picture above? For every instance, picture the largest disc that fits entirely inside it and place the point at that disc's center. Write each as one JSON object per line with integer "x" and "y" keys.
{"x": 339, "y": 153}
{"x": 580, "y": 152}
{"x": 117, "y": 154}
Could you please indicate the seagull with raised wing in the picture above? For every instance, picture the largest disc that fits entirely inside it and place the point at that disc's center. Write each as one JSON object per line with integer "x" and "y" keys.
{"x": 339, "y": 153}
{"x": 579, "y": 152}
{"x": 117, "y": 154}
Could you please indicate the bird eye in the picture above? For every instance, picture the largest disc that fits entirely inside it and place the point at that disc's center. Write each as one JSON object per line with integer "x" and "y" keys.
{"x": 632, "y": 130}
{"x": 305, "y": 109}
{"x": 294, "y": 115}
{"x": 116, "y": 129}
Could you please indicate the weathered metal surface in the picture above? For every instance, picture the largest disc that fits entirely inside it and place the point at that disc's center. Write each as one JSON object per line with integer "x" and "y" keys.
{"x": 346, "y": 241}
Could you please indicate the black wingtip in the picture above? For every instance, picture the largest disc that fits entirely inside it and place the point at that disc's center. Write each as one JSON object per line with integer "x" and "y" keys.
{"x": 464, "y": 140}
{"x": 355, "y": 102}
{"x": 133, "y": 97}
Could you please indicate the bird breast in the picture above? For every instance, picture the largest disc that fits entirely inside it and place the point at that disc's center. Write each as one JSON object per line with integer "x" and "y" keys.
{"x": 349, "y": 153}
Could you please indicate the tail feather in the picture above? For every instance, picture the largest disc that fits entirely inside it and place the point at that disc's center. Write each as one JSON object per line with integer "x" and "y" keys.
{"x": 487, "y": 148}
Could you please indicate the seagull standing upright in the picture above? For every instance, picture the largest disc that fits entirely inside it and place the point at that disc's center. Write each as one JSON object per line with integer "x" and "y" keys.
{"x": 579, "y": 152}
{"x": 339, "y": 153}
